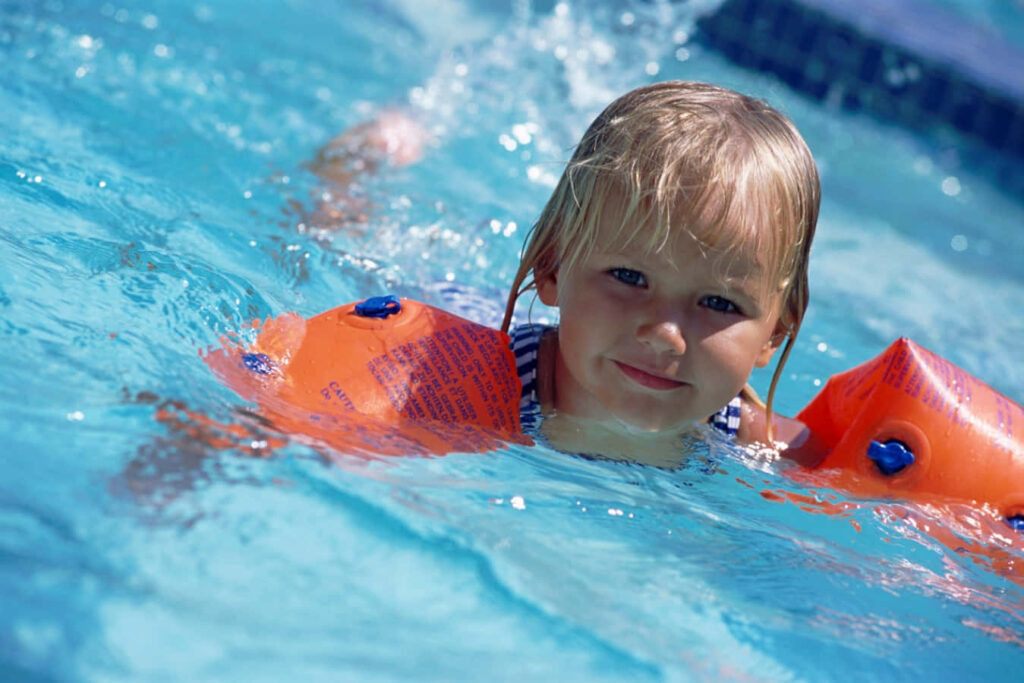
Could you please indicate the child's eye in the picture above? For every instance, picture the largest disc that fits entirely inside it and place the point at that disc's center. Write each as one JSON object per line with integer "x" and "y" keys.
{"x": 720, "y": 304}
{"x": 629, "y": 276}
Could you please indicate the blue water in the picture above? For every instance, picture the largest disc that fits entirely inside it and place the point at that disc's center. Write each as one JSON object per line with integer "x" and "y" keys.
{"x": 153, "y": 198}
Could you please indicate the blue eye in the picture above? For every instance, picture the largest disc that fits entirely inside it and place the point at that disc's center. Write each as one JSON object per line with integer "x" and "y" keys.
{"x": 628, "y": 276}
{"x": 720, "y": 304}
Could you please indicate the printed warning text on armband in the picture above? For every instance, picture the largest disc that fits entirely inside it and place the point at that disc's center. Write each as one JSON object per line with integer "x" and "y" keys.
{"x": 896, "y": 373}
{"x": 462, "y": 404}
{"x": 334, "y": 390}
{"x": 857, "y": 379}
{"x": 394, "y": 381}
{"x": 457, "y": 344}
{"x": 485, "y": 366}
{"x": 960, "y": 388}
{"x": 933, "y": 397}
{"x": 441, "y": 364}
{"x": 949, "y": 390}
{"x": 1005, "y": 412}
{"x": 915, "y": 383}
{"x": 450, "y": 376}
{"x": 934, "y": 383}
{"x": 429, "y": 400}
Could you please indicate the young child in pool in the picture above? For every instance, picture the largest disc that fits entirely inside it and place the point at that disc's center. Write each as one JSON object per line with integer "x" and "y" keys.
{"x": 675, "y": 247}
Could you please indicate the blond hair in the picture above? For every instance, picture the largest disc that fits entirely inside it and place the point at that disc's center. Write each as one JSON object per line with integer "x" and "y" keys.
{"x": 727, "y": 168}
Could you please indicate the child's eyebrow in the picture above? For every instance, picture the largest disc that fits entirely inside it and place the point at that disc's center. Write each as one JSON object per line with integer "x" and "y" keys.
{"x": 749, "y": 277}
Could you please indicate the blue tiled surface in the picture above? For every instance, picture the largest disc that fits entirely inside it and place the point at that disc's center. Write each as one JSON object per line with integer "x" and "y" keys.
{"x": 896, "y": 59}
{"x": 931, "y": 31}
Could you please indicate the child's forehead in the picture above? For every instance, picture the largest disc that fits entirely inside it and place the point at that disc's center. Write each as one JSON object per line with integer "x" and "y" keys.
{"x": 735, "y": 250}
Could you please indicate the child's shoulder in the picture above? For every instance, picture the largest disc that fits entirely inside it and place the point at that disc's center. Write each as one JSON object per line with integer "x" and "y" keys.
{"x": 792, "y": 437}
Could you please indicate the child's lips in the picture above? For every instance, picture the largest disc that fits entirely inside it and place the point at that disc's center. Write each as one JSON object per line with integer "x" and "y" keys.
{"x": 647, "y": 379}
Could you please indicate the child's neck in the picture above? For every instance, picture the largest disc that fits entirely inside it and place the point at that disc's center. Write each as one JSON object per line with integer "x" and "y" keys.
{"x": 614, "y": 440}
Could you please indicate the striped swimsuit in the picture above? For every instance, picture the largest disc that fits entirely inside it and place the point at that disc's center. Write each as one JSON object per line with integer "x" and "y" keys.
{"x": 525, "y": 345}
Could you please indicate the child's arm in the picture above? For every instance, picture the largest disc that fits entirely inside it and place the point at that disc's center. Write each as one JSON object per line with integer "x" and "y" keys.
{"x": 792, "y": 437}
{"x": 393, "y": 137}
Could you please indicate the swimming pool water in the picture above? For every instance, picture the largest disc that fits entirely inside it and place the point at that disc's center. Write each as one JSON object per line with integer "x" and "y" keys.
{"x": 153, "y": 198}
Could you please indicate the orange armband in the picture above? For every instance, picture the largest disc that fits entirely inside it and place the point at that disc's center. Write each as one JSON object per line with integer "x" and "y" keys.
{"x": 912, "y": 425}
{"x": 387, "y": 376}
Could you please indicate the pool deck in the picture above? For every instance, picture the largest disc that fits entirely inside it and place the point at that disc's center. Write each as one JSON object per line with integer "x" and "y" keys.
{"x": 900, "y": 60}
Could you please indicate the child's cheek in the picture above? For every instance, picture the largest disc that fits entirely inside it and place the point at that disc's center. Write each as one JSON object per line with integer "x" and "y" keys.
{"x": 605, "y": 288}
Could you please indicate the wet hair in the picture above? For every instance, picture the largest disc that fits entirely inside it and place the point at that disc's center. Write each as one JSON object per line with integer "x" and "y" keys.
{"x": 727, "y": 169}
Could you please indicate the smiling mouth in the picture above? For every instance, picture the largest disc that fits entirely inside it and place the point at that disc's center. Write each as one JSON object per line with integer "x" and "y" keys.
{"x": 646, "y": 379}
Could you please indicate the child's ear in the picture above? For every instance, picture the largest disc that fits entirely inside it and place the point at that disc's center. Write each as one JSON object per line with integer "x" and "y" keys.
{"x": 547, "y": 288}
{"x": 764, "y": 356}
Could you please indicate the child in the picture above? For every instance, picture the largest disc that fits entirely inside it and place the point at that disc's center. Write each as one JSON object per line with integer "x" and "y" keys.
{"x": 675, "y": 247}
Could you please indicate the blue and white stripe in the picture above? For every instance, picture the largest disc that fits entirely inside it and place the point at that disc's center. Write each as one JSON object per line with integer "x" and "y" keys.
{"x": 727, "y": 420}
{"x": 525, "y": 347}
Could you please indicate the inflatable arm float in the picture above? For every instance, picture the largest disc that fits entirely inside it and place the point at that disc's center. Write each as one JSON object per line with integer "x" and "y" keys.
{"x": 398, "y": 377}
{"x": 910, "y": 425}
{"x": 386, "y": 376}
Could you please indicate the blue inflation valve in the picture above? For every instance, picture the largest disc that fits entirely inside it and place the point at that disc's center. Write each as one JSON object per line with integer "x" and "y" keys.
{"x": 379, "y": 306}
{"x": 1016, "y": 522}
{"x": 259, "y": 363}
{"x": 890, "y": 457}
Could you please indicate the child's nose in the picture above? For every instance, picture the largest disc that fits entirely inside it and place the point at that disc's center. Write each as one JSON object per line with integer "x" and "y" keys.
{"x": 663, "y": 336}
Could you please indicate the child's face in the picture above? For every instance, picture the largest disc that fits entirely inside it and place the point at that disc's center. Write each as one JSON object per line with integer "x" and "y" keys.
{"x": 658, "y": 340}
